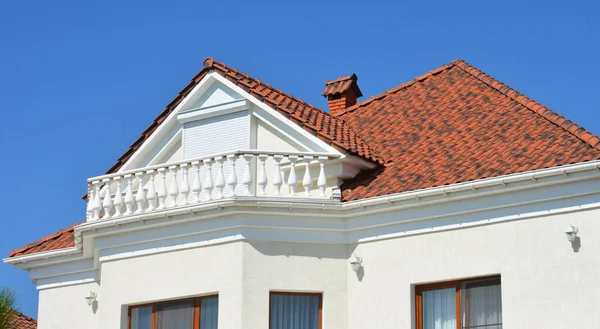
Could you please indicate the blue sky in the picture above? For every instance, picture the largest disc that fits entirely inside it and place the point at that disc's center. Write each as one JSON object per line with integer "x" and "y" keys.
{"x": 79, "y": 80}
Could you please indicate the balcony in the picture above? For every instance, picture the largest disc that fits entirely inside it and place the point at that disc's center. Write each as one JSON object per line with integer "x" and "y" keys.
{"x": 228, "y": 175}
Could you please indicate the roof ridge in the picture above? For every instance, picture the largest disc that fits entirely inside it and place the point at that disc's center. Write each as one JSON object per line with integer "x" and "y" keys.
{"x": 25, "y": 316}
{"x": 558, "y": 120}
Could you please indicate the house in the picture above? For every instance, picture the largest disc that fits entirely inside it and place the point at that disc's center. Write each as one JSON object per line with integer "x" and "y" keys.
{"x": 450, "y": 201}
{"x": 21, "y": 321}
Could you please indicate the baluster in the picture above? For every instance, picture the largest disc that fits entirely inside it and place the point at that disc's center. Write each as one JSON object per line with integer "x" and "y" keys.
{"x": 322, "y": 181}
{"x": 247, "y": 180}
{"x": 196, "y": 187}
{"x": 107, "y": 202}
{"x": 185, "y": 184}
{"x": 173, "y": 188}
{"x": 128, "y": 196}
{"x": 162, "y": 188}
{"x": 292, "y": 179}
{"x": 208, "y": 181}
{"x": 277, "y": 179}
{"x": 97, "y": 205}
{"x": 118, "y": 202}
{"x": 232, "y": 179}
{"x": 140, "y": 197}
{"x": 151, "y": 194}
{"x": 220, "y": 183}
{"x": 90, "y": 198}
{"x": 262, "y": 174}
{"x": 307, "y": 180}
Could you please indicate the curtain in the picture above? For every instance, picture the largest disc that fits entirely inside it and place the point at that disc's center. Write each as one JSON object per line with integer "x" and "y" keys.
{"x": 481, "y": 304}
{"x": 177, "y": 315}
{"x": 209, "y": 313}
{"x": 141, "y": 317}
{"x": 294, "y": 311}
{"x": 439, "y": 309}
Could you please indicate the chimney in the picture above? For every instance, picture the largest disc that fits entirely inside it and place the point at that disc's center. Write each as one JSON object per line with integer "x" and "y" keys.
{"x": 341, "y": 93}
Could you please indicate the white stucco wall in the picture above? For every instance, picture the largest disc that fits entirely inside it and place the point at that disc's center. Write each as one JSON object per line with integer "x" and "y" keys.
{"x": 66, "y": 308}
{"x": 545, "y": 284}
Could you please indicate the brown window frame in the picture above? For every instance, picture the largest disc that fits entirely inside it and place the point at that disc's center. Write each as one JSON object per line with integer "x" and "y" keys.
{"x": 443, "y": 285}
{"x": 319, "y": 294}
{"x": 197, "y": 314}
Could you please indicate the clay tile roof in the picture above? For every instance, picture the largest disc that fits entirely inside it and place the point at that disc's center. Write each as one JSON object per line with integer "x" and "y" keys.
{"x": 22, "y": 321}
{"x": 341, "y": 85}
{"x": 457, "y": 124}
{"x": 450, "y": 125}
{"x": 62, "y": 239}
{"x": 312, "y": 119}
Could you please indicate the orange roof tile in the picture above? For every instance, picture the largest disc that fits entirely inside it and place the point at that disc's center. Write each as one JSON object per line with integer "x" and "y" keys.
{"x": 457, "y": 124}
{"x": 62, "y": 239}
{"x": 22, "y": 321}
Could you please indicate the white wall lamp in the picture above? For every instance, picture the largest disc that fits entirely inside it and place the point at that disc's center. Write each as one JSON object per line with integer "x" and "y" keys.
{"x": 571, "y": 233}
{"x": 356, "y": 264}
{"x": 91, "y": 298}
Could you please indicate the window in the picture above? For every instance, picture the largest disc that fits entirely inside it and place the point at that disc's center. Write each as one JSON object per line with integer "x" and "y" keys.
{"x": 194, "y": 313}
{"x": 295, "y": 311}
{"x": 469, "y": 304}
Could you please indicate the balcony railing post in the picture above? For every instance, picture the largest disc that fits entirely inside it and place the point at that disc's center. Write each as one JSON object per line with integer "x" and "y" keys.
{"x": 277, "y": 178}
{"x": 96, "y": 205}
{"x": 118, "y": 202}
{"x": 129, "y": 196}
{"x": 162, "y": 188}
{"x": 151, "y": 194}
{"x": 220, "y": 183}
{"x": 322, "y": 181}
{"x": 140, "y": 197}
{"x": 262, "y": 174}
{"x": 292, "y": 179}
{"x": 307, "y": 180}
{"x": 208, "y": 181}
{"x": 232, "y": 179}
{"x": 107, "y": 202}
{"x": 196, "y": 187}
{"x": 247, "y": 181}
{"x": 173, "y": 188}
{"x": 185, "y": 184}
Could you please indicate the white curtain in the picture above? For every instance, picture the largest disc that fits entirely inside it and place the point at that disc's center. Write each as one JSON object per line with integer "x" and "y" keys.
{"x": 141, "y": 317}
{"x": 294, "y": 311}
{"x": 177, "y": 315}
{"x": 439, "y": 309}
{"x": 481, "y": 304}
{"x": 209, "y": 313}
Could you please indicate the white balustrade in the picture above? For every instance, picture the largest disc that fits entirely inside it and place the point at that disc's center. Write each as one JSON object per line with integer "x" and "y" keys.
{"x": 186, "y": 183}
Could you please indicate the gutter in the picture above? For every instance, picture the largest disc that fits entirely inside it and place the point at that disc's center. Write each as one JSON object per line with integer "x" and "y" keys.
{"x": 42, "y": 255}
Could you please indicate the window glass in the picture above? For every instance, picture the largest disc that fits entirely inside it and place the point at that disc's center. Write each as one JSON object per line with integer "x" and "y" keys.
{"x": 209, "y": 313}
{"x": 295, "y": 311}
{"x": 141, "y": 317}
{"x": 175, "y": 315}
{"x": 481, "y": 304}
{"x": 439, "y": 309}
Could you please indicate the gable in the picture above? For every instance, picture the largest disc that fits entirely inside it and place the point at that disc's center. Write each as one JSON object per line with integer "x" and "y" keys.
{"x": 218, "y": 118}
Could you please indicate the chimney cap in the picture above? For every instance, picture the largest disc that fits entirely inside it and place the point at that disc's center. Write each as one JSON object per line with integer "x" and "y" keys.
{"x": 342, "y": 85}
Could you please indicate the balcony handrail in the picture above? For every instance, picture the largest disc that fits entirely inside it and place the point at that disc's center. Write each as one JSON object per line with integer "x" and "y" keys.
{"x": 221, "y": 154}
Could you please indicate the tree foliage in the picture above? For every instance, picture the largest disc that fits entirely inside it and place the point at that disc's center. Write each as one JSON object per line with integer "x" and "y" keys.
{"x": 8, "y": 301}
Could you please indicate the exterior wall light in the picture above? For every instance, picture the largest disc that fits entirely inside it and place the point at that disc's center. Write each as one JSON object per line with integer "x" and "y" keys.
{"x": 571, "y": 233}
{"x": 356, "y": 264}
{"x": 91, "y": 298}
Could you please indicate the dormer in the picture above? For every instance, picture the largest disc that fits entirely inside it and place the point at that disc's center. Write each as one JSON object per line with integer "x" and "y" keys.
{"x": 229, "y": 136}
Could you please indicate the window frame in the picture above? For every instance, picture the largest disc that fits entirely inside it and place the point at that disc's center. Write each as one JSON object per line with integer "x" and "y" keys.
{"x": 197, "y": 311}
{"x": 419, "y": 289}
{"x": 319, "y": 294}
